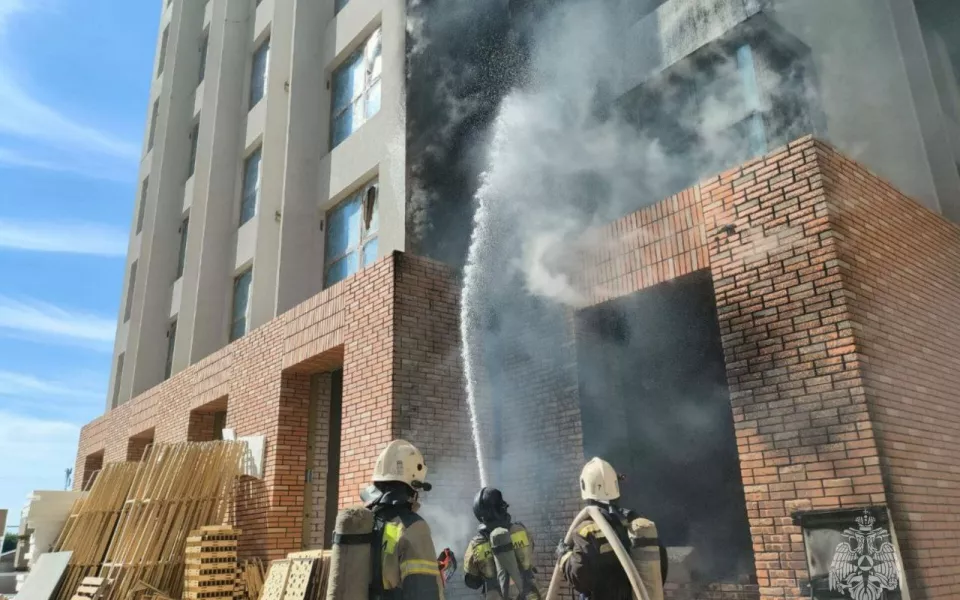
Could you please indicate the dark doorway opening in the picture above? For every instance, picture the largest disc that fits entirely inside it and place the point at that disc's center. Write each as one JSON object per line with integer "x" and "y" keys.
{"x": 655, "y": 404}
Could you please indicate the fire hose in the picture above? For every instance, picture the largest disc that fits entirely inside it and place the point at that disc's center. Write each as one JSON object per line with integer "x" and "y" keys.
{"x": 592, "y": 512}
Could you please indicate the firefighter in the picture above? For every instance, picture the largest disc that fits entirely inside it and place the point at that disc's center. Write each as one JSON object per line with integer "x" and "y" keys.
{"x": 384, "y": 550}
{"x": 590, "y": 563}
{"x": 501, "y": 553}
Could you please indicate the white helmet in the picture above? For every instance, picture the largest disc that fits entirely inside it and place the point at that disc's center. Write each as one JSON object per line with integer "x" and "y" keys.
{"x": 598, "y": 481}
{"x": 401, "y": 461}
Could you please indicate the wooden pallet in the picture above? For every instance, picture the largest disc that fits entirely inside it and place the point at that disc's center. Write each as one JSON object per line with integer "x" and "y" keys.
{"x": 276, "y": 580}
{"x": 91, "y": 588}
{"x": 211, "y": 564}
{"x": 301, "y": 576}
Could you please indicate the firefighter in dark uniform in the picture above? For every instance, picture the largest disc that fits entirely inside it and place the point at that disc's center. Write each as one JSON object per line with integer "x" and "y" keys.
{"x": 489, "y": 560}
{"x": 590, "y": 565}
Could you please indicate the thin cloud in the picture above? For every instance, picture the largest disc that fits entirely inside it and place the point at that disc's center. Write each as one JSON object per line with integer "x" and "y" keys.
{"x": 22, "y": 385}
{"x": 50, "y": 139}
{"x": 84, "y": 167}
{"x": 67, "y": 238}
{"x": 49, "y": 322}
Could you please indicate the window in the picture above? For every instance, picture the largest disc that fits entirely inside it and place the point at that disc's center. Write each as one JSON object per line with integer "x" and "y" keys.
{"x": 163, "y": 51}
{"x": 352, "y": 235}
{"x": 194, "y": 136}
{"x": 356, "y": 90}
{"x": 153, "y": 124}
{"x": 117, "y": 378}
{"x": 203, "y": 57}
{"x": 241, "y": 304}
{"x": 338, "y": 4}
{"x": 251, "y": 186}
{"x": 143, "y": 204}
{"x": 258, "y": 73}
{"x": 128, "y": 308}
{"x": 171, "y": 342}
{"x": 183, "y": 247}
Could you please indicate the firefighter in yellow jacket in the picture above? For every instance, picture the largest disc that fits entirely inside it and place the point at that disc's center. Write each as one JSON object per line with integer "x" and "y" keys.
{"x": 384, "y": 550}
{"x": 590, "y": 565}
{"x": 499, "y": 559}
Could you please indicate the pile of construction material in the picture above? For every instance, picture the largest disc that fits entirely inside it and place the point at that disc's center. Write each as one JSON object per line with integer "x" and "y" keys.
{"x": 41, "y": 521}
{"x": 301, "y": 576}
{"x": 130, "y": 530}
{"x": 250, "y": 576}
{"x": 211, "y": 565}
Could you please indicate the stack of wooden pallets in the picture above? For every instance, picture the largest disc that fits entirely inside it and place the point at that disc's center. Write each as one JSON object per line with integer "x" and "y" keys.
{"x": 211, "y": 564}
{"x": 132, "y": 529}
{"x": 91, "y": 524}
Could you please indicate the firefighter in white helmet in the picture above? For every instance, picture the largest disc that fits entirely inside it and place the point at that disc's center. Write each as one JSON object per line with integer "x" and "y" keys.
{"x": 590, "y": 564}
{"x": 384, "y": 550}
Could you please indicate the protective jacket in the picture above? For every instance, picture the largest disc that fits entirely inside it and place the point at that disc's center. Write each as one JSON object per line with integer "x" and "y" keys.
{"x": 592, "y": 567}
{"x": 480, "y": 568}
{"x": 407, "y": 569}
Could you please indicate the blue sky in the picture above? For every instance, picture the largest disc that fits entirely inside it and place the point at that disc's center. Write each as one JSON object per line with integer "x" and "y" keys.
{"x": 74, "y": 82}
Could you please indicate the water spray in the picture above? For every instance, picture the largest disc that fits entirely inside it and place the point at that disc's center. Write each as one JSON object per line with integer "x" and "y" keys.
{"x": 470, "y": 323}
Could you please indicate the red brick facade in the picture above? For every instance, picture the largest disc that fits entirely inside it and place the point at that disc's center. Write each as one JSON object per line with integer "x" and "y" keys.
{"x": 398, "y": 352}
{"x": 837, "y": 302}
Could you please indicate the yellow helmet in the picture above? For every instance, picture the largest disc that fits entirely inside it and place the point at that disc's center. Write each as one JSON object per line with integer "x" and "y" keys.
{"x": 598, "y": 481}
{"x": 401, "y": 461}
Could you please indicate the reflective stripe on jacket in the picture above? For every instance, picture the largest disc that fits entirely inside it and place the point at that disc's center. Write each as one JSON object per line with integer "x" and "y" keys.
{"x": 409, "y": 561}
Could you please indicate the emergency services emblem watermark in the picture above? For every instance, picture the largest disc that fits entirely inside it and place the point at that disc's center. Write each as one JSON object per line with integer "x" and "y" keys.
{"x": 864, "y": 566}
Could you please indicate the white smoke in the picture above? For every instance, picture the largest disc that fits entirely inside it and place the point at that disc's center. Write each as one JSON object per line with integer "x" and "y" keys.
{"x": 564, "y": 159}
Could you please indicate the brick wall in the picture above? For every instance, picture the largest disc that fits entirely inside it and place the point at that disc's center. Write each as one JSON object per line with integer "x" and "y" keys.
{"x": 901, "y": 268}
{"x": 137, "y": 446}
{"x": 265, "y": 378}
{"x": 430, "y": 396}
{"x": 201, "y": 426}
{"x": 803, "y": 429}
{"x": 835, "y": 297}
{"x": 794, "y": 371}
{"x": 319, "y": 442}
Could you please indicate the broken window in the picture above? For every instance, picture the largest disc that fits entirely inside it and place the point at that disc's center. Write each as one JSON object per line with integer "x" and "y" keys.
{"x": 352, "y": 228}
{"x": 356, "y": 90}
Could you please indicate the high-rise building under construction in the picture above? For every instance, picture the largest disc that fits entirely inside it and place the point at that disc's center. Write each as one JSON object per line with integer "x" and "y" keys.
{"x": 304, "y": 206}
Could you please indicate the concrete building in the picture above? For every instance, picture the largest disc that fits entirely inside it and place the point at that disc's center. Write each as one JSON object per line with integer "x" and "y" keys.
{"x": 805, "y": 296}
{"x": 840, "y": 70}
{"x": 272, "y": 128}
